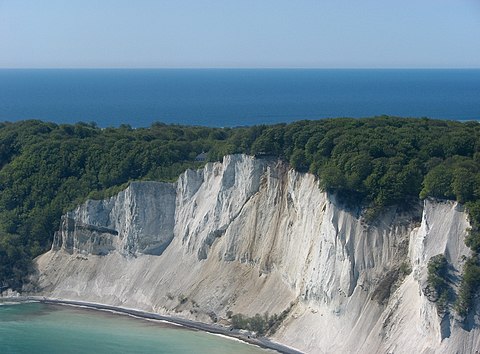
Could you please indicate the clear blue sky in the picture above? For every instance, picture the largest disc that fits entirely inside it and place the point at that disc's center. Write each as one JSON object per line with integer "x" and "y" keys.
{"x": 240, "y": 33}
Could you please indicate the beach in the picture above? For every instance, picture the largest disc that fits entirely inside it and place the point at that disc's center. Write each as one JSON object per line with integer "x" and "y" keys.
{"x": 210, "y": 328}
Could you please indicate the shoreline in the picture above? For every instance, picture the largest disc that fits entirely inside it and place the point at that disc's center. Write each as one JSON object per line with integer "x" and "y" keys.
{"x": 205, "y": 327}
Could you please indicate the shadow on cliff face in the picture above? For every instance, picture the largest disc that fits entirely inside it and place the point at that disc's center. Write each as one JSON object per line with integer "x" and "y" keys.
{"x": 445, "y": 330}
{"x": 382, "y": 292}
{"x": 471, "y": 321}
{"x": 157, "y": 250}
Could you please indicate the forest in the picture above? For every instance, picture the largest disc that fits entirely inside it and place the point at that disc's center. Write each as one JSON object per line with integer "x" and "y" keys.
{"x": 47, "y": 169}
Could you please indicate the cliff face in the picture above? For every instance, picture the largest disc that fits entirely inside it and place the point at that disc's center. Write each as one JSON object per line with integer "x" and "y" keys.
{"x": 139, "y": 219}
{"x": 251, "y": 236}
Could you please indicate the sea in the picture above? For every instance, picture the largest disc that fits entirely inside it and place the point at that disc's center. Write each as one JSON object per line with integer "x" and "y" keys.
{"x": 234, "y": 97}
{"x": 205, "y": 97}
{"x": 27, "y": 328}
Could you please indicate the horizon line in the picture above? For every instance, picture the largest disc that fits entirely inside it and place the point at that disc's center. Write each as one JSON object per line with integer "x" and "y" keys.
{"x": 235, "y": 68}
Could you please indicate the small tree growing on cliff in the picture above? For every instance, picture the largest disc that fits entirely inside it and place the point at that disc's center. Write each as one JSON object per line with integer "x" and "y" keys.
{"x": 437, "y": 280}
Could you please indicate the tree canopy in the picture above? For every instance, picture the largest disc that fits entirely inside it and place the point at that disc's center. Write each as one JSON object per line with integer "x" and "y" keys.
{"x": 47, "y": 169}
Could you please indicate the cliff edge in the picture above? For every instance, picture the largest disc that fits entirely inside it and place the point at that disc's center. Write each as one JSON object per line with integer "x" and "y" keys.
{"x": 249, "y": 236}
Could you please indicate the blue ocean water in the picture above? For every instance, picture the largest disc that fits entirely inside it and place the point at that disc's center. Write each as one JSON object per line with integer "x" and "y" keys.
{"x": 232, "y": 97}
{"x": 39, "y": 328}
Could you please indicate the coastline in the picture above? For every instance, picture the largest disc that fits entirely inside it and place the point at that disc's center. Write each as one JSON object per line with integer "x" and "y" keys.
{"x": 210, "y": 328}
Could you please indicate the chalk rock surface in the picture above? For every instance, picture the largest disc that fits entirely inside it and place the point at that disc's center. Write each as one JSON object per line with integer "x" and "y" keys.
{"x": 253, "y": 236}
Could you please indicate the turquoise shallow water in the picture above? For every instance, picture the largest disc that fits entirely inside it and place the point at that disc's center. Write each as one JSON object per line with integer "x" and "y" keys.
{"x": 40, "y": 328}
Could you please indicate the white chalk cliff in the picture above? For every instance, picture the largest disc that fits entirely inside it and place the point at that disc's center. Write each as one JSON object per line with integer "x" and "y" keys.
{"x": 252, "y": 236}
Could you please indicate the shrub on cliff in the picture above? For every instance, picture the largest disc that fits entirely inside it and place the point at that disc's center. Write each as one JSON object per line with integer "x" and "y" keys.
{"x": 470, "y": 281}
{"x": 469, "y": 286}
{"x": 258, "y": 323}
{"x": 437, "y": 280}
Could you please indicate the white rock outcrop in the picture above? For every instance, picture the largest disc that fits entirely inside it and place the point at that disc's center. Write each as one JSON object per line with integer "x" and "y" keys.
{"x": 253, "y": 236}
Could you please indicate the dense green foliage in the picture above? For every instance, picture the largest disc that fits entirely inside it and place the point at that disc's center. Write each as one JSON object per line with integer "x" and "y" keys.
{"x": 257, "y": 323}
{"x": 437, "y": 280}
{"x": 469, "y": 285}
{"x": 46, "y": 169}
{"x": 260, "y": 324}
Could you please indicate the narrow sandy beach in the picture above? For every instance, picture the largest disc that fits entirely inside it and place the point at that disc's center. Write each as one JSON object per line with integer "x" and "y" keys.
{"x": 215, "y": 329}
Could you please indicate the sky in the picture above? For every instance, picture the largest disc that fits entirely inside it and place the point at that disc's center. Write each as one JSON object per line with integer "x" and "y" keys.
{"x": 241, "y": 33}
